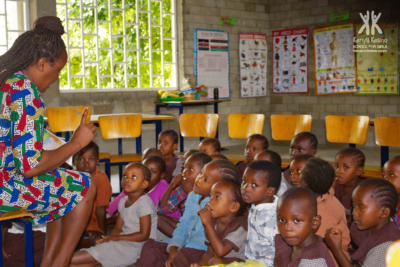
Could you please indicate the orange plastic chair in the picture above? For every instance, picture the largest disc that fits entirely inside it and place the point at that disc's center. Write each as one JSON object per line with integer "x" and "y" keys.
{"x": 198, "y": 125}
{"x": 245, "y": 125}
{"x": 386, "y": 135}
{"x": 347, "y": 129}
{"x": 286, "y": 126}
{"x": 119, "y": 127}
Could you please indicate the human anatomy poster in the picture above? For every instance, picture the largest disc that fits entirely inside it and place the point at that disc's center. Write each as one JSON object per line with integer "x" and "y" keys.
{"x": 290, "y": 61}
{"x": 335, "y": 71}
{"x": 253, "y": 64}
{"x": 211, "y": 61}
{"x": 377, "y": 60}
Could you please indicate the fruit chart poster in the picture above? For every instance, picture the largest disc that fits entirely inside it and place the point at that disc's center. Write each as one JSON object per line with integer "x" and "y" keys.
{"x": 253, "y": 64}
{"x": 211, "y": 61}
{"x": 335, "y": 71}
{"x": 377, "y": 60}
{"x": 290, "y": 61}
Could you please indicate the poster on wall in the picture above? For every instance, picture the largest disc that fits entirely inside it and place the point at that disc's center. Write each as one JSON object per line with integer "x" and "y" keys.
{"x": 253, "y": 64}
{"x": 290, "y": 61}
{"x": 335, "y": 71}
{"x": 377, "y": 60}
{"x": 211, "y": 61}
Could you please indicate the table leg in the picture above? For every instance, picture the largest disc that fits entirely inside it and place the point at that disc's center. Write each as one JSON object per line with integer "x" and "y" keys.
{"x": 352, "y": 145}
{"x": 384, "y": 155}
{"x": 158, "y": 130}
{"x": 157, "y": 109}
{"x": 139, "y": 144}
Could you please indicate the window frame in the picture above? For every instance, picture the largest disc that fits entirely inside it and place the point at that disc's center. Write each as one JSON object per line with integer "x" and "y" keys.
{"x": 174, "y": 38}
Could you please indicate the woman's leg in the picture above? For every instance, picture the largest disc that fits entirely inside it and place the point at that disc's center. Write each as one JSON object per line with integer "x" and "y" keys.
{"x": 72, "y": 226}
{"x": 53, "y": 233}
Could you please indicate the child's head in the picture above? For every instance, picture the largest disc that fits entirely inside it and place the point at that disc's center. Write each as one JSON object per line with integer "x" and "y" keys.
{"x": 186, "y": 156}
{"x": 226, "y": 199}
{"x": 303, "y": 143}
{"x": 261, "y": 180}
{"x": 136, "y": 178}
{"x": 210, "y": 146}
{"x": 213, "y": 172}
{"x": 349, "y": 165}
{"x": 391, "y": 172}
{"x": 157, "y": 168}
{"x": 167, "y": 142}
{"x": 87, "y": 158}
{"x": 374, "y": 203}
{"x": 295, "y": 168}
{"x": 317, "y": 175}
{"x": 297, "y": 217}
{"x": 215, "y": 156}
{"x": 193, "y": 166}
{"x": 255, "y": 144}
{"x": 269, "y": 155}
{"x": 151, "y": 151}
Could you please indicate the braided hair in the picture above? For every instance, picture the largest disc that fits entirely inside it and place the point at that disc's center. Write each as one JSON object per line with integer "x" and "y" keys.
{"x": 171, "y": 133}
{"x": 383, "y": 192}
{"x": 356, "y": 153}
{"x": 44, "y": 41}
{"x": 227, "y": 169}
{"x": 215, "y": 143}
{"x": 261, "y": 138}
{"x": 235, "y": 188}
{"x": 146, "y": 171}
{"x": 319, "y": 175}
{"x": 202, "y": 158}
{"x": 159, "y": 160}
{"x": 310, "y": 136}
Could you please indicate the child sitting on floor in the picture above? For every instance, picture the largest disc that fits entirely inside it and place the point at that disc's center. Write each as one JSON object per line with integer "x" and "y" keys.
{"x": 373, "y": 228}
{"x": 272, "y": 156}
{"x": 302, "y": 143}
{"x": 173, "y": 201}
{"x": 187, "y": 243}
{"x": 210, "y": 146}
{"x": 261, "y": 180}
{"x": 255, "y": 144}
{"x": 318, "y": 176}
{"x": 137, "y": 221}
{"x": 349, "y": 166}
{"x": 391, "y": 173}
{"x": 215, "y": 156}
{"x": 167, "y": 144}
{"x": 297, "y": 245}
{"x": 225, "y": 226}
{"x": 295, "y": 168}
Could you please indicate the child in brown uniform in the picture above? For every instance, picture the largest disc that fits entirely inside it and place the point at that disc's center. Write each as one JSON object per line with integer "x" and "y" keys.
{"x": 297, "y": 245}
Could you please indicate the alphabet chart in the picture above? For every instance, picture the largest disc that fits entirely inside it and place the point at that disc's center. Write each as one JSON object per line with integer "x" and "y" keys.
{"x": 290, "y": 61}
{"x": 253, "y": 64}
{"x": 335, "y": 71}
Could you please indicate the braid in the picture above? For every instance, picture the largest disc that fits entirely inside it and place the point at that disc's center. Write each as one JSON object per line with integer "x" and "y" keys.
{"x": 227, "y": 169}
{"x": 356, "y": 153}
{"x": 319, "y": 175}
{"x": 235, "y": 185}
{"x": 203, "y": 158}
{"x": 215, "y": 143}
{"x": 44, "y": 41}
{"x": 384, "y": 193}
{"x": 146, "y": 171}
{"x": 311, "y": 137}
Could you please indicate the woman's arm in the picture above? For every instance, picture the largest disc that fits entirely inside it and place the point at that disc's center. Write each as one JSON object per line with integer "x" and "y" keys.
{"x": 51, "y": 160}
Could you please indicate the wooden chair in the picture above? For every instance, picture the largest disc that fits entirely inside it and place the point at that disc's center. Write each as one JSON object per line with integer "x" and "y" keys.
{"x": 119, "y": 127}
{"x": 66, "y": 120}
{"x": 198, "y": 125}
{"x": 386, "y": 135}
{"x": 347, "y": 129}
{"x": 20, "y": 217}
{"x": 286, "y": 126}
{"x": 244, "y": 125}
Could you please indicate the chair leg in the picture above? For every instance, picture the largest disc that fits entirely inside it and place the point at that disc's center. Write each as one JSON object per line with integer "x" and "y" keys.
{"x": 120, "y": 178}
{"x": 384, "y": 155}
{"x": 28, "y": 243}
{"x": 108, "y": 169}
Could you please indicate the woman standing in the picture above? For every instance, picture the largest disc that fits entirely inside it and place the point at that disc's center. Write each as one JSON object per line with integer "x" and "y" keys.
{"x": 29, "y": 176}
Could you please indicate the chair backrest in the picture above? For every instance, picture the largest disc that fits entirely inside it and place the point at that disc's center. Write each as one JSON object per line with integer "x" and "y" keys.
{"x": 198, "y": 125}
{"x": 387, "y": 131}
{"x": 120, "y": 126}
{"x": 65, "y": 119}
{"x": 244, "y": 125}
{"x": 286, "y": 126}
{"x": 347, "y": 129}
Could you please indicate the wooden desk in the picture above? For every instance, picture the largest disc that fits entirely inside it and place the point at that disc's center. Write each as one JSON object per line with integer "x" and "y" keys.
{"x": 182, "y": 104}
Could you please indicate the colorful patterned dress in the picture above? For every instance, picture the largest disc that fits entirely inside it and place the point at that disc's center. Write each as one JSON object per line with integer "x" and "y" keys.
{"x": 48, "y": 196}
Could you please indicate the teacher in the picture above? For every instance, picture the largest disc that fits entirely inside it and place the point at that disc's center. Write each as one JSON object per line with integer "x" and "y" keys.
{"x": 30, "y": 177}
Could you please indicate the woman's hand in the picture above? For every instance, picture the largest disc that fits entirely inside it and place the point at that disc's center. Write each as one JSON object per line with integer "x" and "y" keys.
{"x": 85, "y": 133}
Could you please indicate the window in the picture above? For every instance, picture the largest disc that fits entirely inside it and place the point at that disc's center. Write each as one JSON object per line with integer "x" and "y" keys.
{"x": 119, "y": 44}
{"x": 14, "y": 21}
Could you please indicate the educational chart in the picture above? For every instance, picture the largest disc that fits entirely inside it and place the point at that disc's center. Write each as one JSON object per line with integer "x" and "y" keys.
{"x": 253, "y": 64}
{"x": 290, "y": 61}
{"x": 335, "y": 71}
{"x": 211, "y": 61}
{"x": 377, "y": 60}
